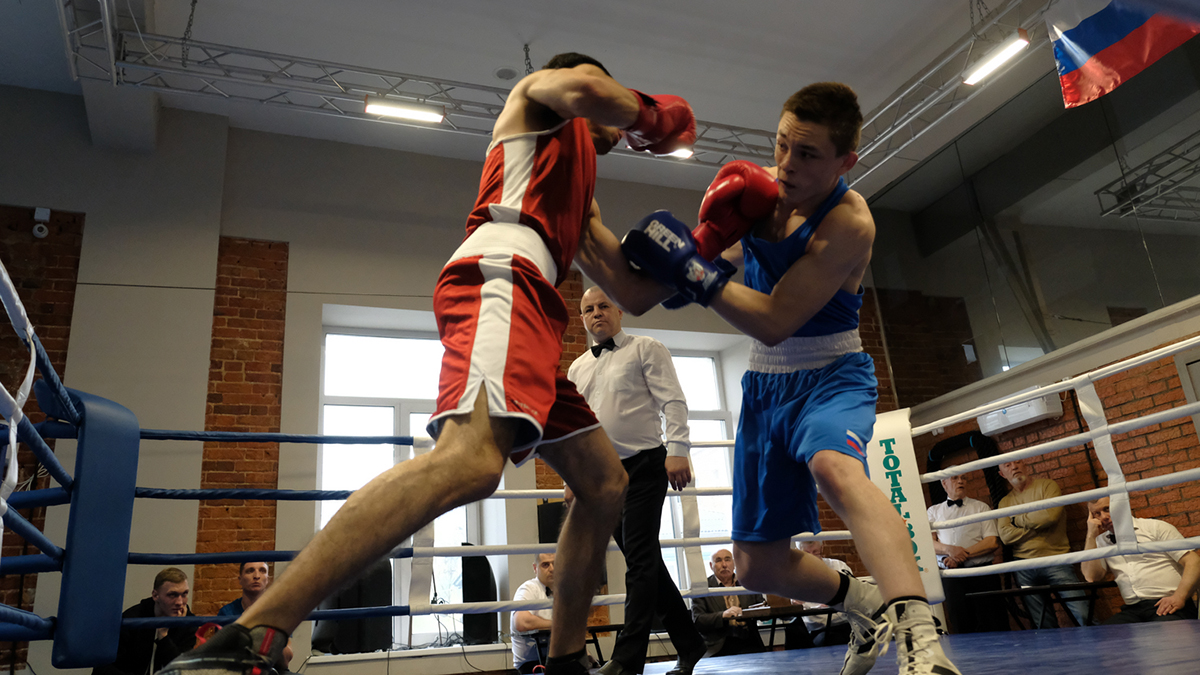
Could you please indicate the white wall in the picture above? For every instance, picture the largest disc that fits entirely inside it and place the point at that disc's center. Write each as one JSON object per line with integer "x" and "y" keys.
{"x": 365, "y": 227}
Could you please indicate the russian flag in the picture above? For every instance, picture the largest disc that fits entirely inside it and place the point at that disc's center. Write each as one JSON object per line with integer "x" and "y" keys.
{"x": 1098, "y": 44}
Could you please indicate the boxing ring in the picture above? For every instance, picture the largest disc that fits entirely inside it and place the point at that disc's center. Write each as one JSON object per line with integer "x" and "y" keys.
{"x": 101, "y": 492}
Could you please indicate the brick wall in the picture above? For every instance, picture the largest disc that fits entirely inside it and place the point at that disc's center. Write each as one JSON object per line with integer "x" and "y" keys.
{"x": 244, "y": 393}
{"x": 926, "y": 336}
{"x": 1143, "y": 453}
{"x": 44, "y": 272}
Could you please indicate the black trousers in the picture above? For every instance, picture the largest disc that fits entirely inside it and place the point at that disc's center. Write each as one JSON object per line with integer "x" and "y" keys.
{"x": 649, "y": 589}
{"x": 974, "y": 615}
{"x": 1147, "y": 610}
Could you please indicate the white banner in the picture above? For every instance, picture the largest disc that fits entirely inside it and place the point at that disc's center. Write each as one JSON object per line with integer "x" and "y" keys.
{"x": 893, "y": 466}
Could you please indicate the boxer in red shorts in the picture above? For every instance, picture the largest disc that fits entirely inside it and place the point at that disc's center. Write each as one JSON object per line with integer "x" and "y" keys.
{"x": 502, "y": 394}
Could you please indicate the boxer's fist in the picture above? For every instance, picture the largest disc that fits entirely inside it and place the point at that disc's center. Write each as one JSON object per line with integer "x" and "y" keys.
{"x": 742, "y": 194}
{"x": 664, "y": 124}
{"x": 663, "y": 247}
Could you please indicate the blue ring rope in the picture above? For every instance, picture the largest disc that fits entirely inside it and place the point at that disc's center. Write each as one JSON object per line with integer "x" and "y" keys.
{"x": 254, "y": 437}
{"x": 29, "y": 564}
{"x": 56, "y": 385}
{"x": 29, "y": 499}
{"x": 31, "y": 534}
{"x": 10, "y": 632}
{"x": 243, "y": 493}
{"x": 319, "y": 615}
{"x": 27, "y": 619}
{"x": 27, "y": 433}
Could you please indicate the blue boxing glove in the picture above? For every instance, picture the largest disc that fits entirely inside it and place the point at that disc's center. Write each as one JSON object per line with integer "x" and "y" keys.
{"x": 663, "y": 247}
{"x": 679, "y": 301}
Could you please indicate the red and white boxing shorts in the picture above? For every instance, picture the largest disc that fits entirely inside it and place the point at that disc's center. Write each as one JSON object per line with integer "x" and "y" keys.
{"x": 502, "y": 322}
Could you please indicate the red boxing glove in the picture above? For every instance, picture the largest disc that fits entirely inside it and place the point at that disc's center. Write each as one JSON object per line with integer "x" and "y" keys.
{"x": 664, "y": 124}
{"x": 742, "y": 194}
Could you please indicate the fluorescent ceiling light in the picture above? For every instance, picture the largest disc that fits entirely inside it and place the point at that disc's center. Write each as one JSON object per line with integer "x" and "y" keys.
{"x": 407, "y": 111}
{"x": 999, "y": 57}
{"x": 682, "y": 153}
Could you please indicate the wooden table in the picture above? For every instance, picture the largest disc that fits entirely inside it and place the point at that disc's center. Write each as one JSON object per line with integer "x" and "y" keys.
{"x": 771, "y": 613}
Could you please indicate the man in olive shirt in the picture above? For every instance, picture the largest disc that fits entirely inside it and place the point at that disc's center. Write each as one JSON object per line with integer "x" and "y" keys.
{"x": 1037, "y": 534}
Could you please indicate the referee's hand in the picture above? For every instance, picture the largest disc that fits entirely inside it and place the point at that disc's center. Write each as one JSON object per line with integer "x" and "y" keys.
{"x": 679, "y": 472}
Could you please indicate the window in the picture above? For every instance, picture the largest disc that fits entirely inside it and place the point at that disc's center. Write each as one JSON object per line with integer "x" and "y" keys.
{"x": 385, "y": 384}
{"x": 708, "y": 420}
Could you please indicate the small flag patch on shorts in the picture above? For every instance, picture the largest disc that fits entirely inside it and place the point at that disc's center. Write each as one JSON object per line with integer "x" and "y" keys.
{"x": 855, "y": 442}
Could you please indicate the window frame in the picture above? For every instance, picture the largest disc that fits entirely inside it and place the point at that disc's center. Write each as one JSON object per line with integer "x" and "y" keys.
{"x": 402, "y": 409}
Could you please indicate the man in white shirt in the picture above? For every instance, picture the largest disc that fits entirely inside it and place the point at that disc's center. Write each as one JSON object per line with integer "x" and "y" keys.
{"x": 1154, "y": 586}
{"x": 525, "y": 622}
{"x": 838, "y": 630}
{"x": 629, "y": 381}
{"x": 971, "y": 545}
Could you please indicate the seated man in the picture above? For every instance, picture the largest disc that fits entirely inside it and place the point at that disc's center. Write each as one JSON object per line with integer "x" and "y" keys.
{"x": 1154, "y": 586}
{"x": 138, "y": 646}
{"x": 525, "y": 653}
{"x": 717, "y": 616}
{"x": 837, "y": 632}
{"x": 967, "y": 546}
{"x": 253, "y": 577}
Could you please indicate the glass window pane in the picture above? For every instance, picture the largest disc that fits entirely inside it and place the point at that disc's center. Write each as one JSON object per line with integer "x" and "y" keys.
{"x": 349, "y": 467}
{"x": 666, "y": 530}
{"x": 450, "y": 529}
{"x": 711, "y": 466}
{"x": 417, "y": 423}
{"x": 698, "y": 377}
{"x": 382, "y": 367}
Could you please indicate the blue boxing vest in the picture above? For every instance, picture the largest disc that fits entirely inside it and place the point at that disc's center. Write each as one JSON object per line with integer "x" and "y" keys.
{"x": 766, "y": 262}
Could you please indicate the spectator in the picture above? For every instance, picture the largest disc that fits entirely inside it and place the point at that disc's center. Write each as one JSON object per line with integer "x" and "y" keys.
{"x": 146, "y": 650}
{"x": 1154, "y": 586}
{"x": 525, "y": 622}
{"x": 825, "y": 629}
{"x": 967, "y": 546}
{"x": 1035, "y": 535}
{"x": 253, "y": 577}
{"x": 717, "y": 617}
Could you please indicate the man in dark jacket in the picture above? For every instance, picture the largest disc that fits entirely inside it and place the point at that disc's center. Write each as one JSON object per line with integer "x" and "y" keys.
{"x": 139, "y": 646}
{"x": 717, "y": 616}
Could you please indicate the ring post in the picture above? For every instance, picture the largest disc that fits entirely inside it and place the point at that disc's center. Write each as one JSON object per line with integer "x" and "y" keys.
{"x": 94, "y": 564}
{"x": 893, "y": 464}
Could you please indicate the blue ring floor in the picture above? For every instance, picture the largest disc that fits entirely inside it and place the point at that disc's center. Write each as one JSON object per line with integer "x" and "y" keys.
{"x": 1167, "y": 648}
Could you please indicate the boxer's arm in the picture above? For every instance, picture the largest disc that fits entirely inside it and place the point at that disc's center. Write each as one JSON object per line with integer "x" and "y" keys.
{"x": 576, "y": 92}
{"x": 601, "y": 259}
{"x": 838, "y": 246}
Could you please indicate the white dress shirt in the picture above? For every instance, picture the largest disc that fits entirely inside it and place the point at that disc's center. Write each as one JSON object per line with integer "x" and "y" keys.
{"x": 525, "y": 648}
{"x": 1146, "y": 576}
{"x": 965, "y": 536}
{"x": 629, "y": 388}
{"x": 815, "y": 623}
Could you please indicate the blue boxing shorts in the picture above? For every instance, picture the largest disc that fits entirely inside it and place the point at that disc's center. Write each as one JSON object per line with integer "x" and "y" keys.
{"x": 788, "y": 415}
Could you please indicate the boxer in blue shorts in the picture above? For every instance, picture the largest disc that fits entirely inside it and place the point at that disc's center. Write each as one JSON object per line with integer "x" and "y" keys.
{"x": 808, "y": 404}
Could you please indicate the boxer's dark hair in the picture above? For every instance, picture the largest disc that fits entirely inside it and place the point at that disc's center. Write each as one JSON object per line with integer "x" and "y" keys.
{"x": 834, "y": 105}
{"x": 572, "y": 59}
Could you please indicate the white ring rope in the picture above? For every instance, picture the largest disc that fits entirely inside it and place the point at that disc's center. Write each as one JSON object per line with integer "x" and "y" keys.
{"x": 1100, "y": 434}
{"x": 1070, "y": 383}
{"x": 10, "y": 406}
{"x": 528, "y": 549}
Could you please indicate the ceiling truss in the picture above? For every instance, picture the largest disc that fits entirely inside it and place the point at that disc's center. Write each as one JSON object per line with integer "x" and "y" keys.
{"x": 102, "y": 45}
{"x": 938, "y": 91}
{"x": 1158, "y": 188}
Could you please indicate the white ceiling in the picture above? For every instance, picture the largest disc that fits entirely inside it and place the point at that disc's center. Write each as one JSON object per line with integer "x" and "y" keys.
{"x": 734, "y": 61}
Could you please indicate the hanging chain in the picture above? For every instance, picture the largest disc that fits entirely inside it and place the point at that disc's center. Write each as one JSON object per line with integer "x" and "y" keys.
{"x": 528, "y": 63}
{"x": 187, "y": 33}
{"x": 972, "y": 5}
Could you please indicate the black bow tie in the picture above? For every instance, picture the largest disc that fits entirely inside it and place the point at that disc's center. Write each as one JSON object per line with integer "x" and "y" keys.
{"x": 607, "y": 344}
{"x": 953, "y": 502}
{"x": 1112, "y": 538}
